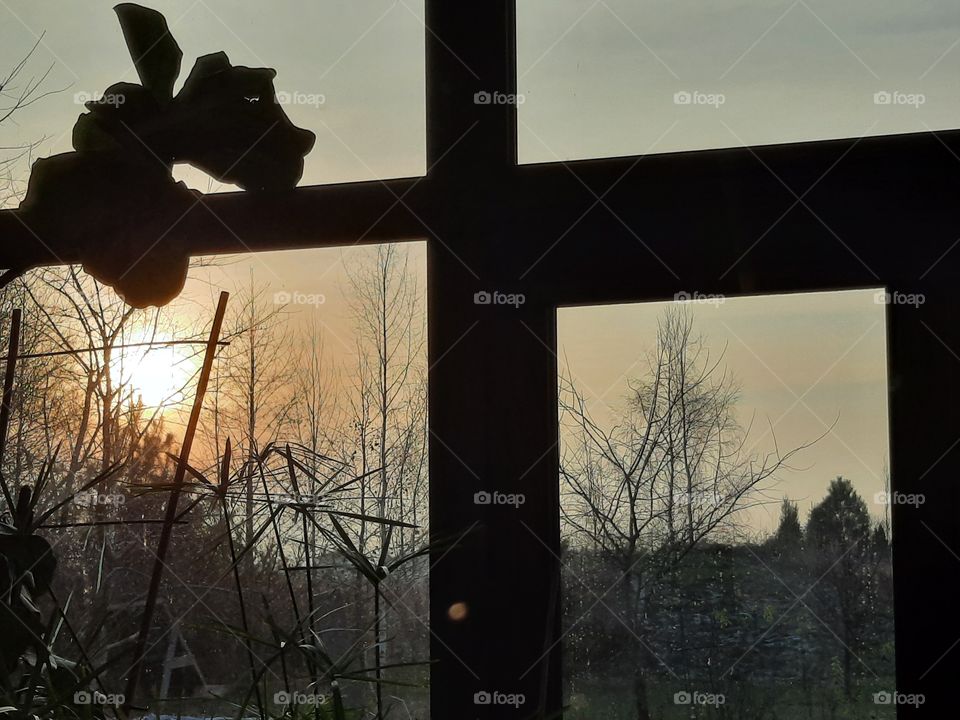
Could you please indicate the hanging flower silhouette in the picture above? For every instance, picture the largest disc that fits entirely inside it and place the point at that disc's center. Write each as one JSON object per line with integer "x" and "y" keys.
{"x": 114, "y": 198}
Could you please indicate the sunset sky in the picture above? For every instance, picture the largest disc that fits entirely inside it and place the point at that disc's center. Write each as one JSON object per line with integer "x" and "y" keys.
{"x": 598, "y": 76}
{"x": 598, "y": 79}
{"x": 370, "y": 458}
{"x": 808, "y": 365}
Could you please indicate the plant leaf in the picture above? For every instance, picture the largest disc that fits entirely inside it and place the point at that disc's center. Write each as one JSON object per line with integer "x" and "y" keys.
{"x": 370, "y": 518}
{"x": 156, "y": 55}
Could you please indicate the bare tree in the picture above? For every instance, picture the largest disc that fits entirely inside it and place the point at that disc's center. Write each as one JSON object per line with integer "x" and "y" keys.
{"x": 90, "y": 327}
{"x": 254, "y": 386}
{"x": 19, "y": 89}
{"x": 36, "y": 396}
{"x": 673, "y": 471}
{"x": 389, "y": 395}
{"x": 317, "y": 403}
{"x": 388, "y": 409}
{"x": 42, "y": 405}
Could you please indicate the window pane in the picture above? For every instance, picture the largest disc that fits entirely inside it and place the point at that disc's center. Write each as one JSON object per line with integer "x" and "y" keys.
{"x": 352, "y": 73}
{"x": 724, "y": 508}
{"x": 627, "y": 77}
{"x": 321, "y": 458}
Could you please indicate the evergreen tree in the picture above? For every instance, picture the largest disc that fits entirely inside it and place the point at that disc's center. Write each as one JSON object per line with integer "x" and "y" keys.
{"x": 789, "y": 534}
{"x": 838, "y": 535}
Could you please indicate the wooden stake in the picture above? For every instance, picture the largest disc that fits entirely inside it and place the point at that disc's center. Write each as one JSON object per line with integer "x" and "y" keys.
{"x": 13, "y": 351}
{"x": 165, "y": 534}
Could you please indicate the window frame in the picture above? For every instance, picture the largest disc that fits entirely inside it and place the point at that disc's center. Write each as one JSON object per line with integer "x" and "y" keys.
{"x": 799, "y": 217}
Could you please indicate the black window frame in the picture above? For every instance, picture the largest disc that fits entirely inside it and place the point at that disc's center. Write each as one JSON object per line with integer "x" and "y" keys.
{"x": 830, "y": 215}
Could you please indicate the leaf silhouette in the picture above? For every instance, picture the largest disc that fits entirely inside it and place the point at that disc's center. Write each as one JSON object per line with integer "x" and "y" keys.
{"x": 155, "y": 53}
{"x": 114, "y": 198}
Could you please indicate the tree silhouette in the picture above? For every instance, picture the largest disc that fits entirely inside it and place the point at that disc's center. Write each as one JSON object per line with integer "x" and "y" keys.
{"x": 789, "y": 535}
{"x": 668, "y": 475}
{"x": 838, "y": 534}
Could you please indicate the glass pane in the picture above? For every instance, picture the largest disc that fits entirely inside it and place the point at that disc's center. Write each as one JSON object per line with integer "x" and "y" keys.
{"x": 627, "y": 77}
{"x": 725, "y": 516}
{"x": 352, "y": 73}
{"x": 312, "y": 439}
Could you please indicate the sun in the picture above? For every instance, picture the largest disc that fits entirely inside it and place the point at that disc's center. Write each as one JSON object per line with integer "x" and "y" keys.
{"x": 159, "y": 375}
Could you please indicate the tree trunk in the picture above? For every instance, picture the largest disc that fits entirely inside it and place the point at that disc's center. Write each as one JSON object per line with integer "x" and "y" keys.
{"x": 640, "y": 691}
{"x": 641, "y": 701}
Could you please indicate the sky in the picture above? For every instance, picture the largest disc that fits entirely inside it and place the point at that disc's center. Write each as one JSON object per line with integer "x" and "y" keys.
{"x": 309, "y": 289}
{"x": 597, "y": 78}
{"x": 353, "y": 70}
{"x": 808, "y": 365}
{"x": 312, "y": 285}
